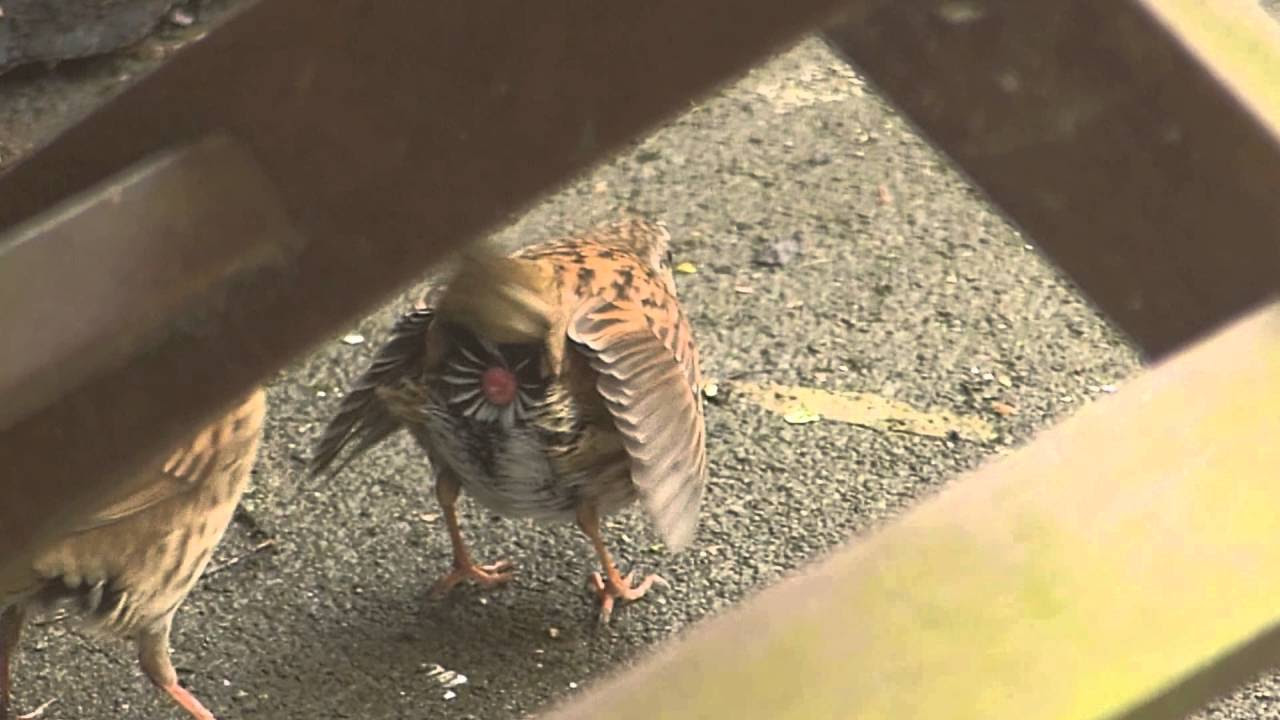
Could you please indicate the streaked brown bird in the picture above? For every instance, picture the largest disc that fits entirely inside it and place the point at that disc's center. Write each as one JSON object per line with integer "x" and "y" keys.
{"x": 125, "y": 572}
{"x": 560, "y": 382}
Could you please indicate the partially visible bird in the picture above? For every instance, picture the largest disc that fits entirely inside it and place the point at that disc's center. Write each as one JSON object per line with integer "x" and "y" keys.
{"x": 125, "y": 572}
{"x": 560, "y": 382}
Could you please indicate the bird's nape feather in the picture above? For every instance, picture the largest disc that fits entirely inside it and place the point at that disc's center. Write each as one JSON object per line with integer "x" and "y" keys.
{"x": 504, "y": 299}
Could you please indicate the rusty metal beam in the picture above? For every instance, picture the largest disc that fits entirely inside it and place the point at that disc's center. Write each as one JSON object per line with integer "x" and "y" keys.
{"x": 390, "y": 132}
{"x": 1120, "y": 566}
{"x": 1060, "y": 561}
{"x": 102, "y": 278}
{"x": 90, "y": 289}
{"x": 1134, "y": 141}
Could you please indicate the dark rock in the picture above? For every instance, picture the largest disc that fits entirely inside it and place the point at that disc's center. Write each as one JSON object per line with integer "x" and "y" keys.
{"x": 55, "y": 30}
{"x": 778, "y": 252}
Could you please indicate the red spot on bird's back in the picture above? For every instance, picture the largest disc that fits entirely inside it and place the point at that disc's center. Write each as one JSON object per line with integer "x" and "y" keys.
{"x": 499, "y": 385}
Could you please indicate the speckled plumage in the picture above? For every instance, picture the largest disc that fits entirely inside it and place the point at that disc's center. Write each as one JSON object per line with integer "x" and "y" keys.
{"x": 126, "y": 571}
{"x": 607, "y": 408}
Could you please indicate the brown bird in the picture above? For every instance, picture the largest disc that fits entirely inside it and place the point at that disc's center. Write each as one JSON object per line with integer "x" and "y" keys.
{"x": 125, "y": 572}
{"x": 558, "y": 383}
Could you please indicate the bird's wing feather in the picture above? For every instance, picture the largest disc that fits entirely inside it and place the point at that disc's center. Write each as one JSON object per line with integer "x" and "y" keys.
{"x": 227, "y": 440}
{"x": 647, "y": 373}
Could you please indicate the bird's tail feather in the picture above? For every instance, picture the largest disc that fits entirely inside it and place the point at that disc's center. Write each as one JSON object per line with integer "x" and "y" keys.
{"x": 363, "y": 419}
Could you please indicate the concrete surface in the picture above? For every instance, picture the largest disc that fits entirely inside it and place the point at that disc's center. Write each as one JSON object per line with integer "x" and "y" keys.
{"x": 906, "y": 285}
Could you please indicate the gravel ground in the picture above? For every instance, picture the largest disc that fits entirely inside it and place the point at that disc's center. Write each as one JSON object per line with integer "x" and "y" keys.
{"x": 905, "y": 284}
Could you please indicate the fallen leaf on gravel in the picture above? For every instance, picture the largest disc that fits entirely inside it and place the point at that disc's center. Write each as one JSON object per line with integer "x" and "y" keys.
{"x": 447, "y": 678}
{"x": 886, "y": 197}
{"x": 800, "y": 415}
{"x": 1003, "y": 409}
{"x": 802, "y": 405}
{"x": 686, "y": 267}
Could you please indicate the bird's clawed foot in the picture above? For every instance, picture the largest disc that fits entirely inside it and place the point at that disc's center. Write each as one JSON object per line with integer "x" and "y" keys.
{"x": 486, "y": 576}
{"x": 620, "y": 588}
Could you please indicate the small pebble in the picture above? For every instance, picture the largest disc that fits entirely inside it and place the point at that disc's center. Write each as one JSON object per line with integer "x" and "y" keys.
{"x": 181, "y": 17}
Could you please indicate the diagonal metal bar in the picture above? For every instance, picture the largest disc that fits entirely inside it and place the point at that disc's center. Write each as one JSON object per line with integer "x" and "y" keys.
{"x": 105, "y": 277}
{"x": 1135, "y": 141}
{"x": 390, "y": 132}
{"x": 104, "y": 286}
{"x": 1069, "y": 560}
{"x": 1121, "y": 566}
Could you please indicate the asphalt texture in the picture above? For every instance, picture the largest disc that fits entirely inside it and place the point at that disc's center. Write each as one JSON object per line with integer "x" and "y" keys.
{"x": 898, "y": 280}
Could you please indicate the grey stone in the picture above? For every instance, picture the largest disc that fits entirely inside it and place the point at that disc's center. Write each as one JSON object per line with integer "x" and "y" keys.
{"x": 56, "y": 30}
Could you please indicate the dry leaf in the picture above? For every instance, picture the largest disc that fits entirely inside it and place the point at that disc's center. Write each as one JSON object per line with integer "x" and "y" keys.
{"x": 800, "y": 405}
{"x": 686, "y": 267}
{"x": 1003, "y": 409}
{"x": 800, "y": 415}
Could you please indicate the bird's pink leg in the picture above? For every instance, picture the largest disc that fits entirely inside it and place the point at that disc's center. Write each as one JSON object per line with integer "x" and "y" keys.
{"x": 610, "y": 586}
{"x": 153, "y": 655}
{"x": 464, "y": 568}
